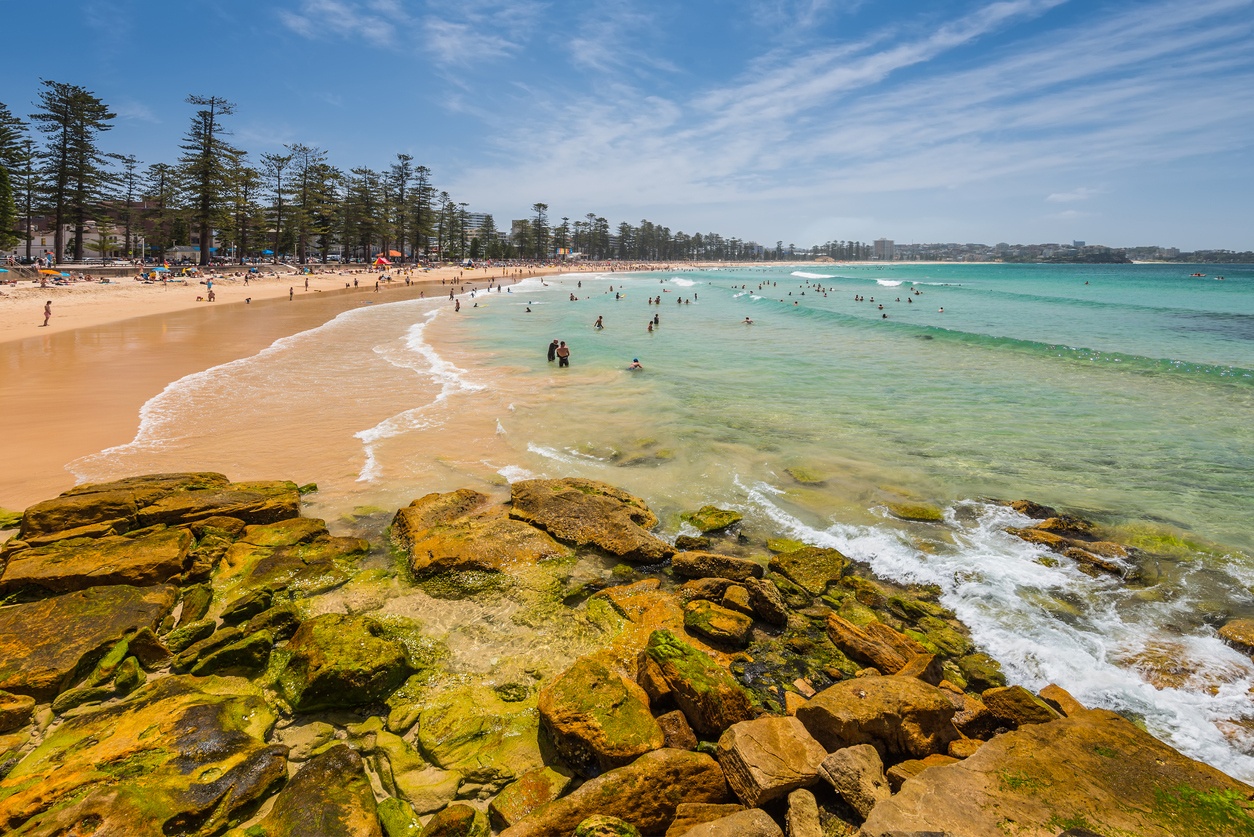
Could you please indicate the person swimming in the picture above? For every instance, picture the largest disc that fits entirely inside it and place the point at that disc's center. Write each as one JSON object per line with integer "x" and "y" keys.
{"x": 635, "y": 364}
{"x": 748, "y": 321}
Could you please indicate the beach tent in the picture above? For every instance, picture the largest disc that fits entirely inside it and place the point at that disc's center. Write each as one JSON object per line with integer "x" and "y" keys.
{"x": 381, "y": 260}
{"x": 394, "y": 254}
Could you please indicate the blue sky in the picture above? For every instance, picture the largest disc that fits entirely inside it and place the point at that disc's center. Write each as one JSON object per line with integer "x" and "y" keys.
{"x": 1122, "y": 122}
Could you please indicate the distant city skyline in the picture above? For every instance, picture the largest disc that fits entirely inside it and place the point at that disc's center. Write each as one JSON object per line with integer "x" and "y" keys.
{"x": 804, "y": 120}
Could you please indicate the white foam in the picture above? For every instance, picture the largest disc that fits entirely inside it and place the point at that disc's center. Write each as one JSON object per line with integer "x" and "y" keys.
{"x": 1054, "y": 624}
{"x": 683, "y": 283}
{"x": 514, "y": 473}
{"x": 803, "y": 275}
{"x": 888, "y": 283}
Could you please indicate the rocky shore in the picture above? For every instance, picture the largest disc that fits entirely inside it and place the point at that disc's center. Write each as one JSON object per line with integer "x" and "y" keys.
{"x": 185, "y": 655}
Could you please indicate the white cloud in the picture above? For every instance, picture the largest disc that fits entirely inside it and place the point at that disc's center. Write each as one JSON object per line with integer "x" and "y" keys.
{"x": 375, "y": 21}
{"x": 136, "y": 111}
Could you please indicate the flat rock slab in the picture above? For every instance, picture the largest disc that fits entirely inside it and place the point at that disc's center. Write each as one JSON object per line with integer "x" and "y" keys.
{"x": 45, "y": 645}
{"x": 751, "y": 823}
{"x": 811, "y": 568}
{"x": 713, "y": 565}
{"x": 181, "y": 756}
{"x": 900, "y": 716}
{"x": 79, "y": 563}
{"x": 645, "y": 793}
{"x": 341, "y": 661}
{"x": 1091, "y": 770}
{"x": 588, "y": 513}
{"x": 768, "y": 758}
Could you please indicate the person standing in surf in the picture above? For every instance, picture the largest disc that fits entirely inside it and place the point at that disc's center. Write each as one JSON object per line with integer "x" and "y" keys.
{"x": 563, "y": 355}
{"x": 552, "y": 349}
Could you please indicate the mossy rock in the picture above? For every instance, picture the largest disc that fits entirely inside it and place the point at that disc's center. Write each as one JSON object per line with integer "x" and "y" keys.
{"x": 602, "y": 826}
{"x": 469, "y": 584}
{"x": 919, "y": 512}
{"x": 458, "y": 820}
{"x": 812, "y": 568}
{"x": 912, "y": 609}
{"x": 717, "y": 623}
{"x": 398, "y": 818}
{"x": 471, "y": 731}
{"x": 527, "y": 793}
{"x": 794, "y": 596}
{"x": 708, "y": 695}
{"x": 187, "y": 635}
{"x": 784, "y": 544}
{"x": 805, "y": 476}
{"x": 981, "y": 671}
{"x": 10, "y": 519}
{"x": 712, "y": 519}
{"x": 342, "y": 661}
{"x": 129, "y": 676}
{"x": 951, "y": 641}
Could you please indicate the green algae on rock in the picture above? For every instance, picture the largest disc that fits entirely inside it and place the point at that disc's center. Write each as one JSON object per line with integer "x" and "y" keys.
{"x": 708, "y": 695}
{"x": 584, "y": 512}
{"x": 919, "y": 512}
{"x": 717, "y": 624}
{"x": 341, "y": 661}
{"x": 812, "y": 568}
{"x": 531, "y": 790}
{"x": 709, "y": 519}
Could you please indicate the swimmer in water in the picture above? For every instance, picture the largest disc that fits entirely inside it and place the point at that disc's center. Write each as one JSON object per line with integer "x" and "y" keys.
{"x": 635, "y": 364}
{"x": 748, "y": 321}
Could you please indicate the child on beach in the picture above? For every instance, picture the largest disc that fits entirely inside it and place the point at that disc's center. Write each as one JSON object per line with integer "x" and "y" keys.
{"x": 47, "y": 312}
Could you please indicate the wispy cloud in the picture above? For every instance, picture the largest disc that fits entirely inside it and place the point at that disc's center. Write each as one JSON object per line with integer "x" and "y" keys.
{"x": 1081, "y": 194}
{"x": 136, "y": 111}
{"x": 614, "y": 36}
{"x": 374, "y": 21}
{"x": 475, "y": 30}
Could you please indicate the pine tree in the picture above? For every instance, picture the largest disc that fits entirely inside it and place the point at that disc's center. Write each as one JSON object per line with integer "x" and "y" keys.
{"x": 205, "y": 163}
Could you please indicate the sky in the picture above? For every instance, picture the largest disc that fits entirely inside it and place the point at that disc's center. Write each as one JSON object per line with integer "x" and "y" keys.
{"x": 1119, "y": 122}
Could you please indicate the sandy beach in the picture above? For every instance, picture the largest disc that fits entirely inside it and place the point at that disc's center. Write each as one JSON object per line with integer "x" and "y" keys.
{"x": 76, "y": 387}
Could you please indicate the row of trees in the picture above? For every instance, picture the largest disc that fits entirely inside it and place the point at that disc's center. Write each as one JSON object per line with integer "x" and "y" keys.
{"x": 293, "y": 202}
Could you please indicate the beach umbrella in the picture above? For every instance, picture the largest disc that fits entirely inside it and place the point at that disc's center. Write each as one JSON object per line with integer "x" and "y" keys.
{"x": 267, "y": 252}
{"x": 47, "y": 272}
{"x": 161, "y": 270}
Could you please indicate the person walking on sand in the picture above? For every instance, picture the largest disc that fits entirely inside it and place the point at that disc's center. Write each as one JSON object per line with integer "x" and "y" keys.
{"x": 47, "y": 312}
{"x": 552, "y": 349}
{"x": 563, "y": 354}
{"x": 291, "y": 292}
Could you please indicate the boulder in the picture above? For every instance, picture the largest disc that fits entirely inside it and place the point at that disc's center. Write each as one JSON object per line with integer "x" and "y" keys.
{"x": 329, "y": 796}
{"x": 1091, "y": 770}
{"x": 45, "y": 646}
{"x": 246, "y": 606}
{"x": 1016, "y": 706}
{"x": 901, "y": 716}
{"x": 645, "y": 793}
{"x": 341, "y": 661}
{"x": 306, "y": 565}
{"x": 802, "y": 819}
{"x": 857, "y": 775}
{"x": 1239, "y": 633}
{"x": 766, "y": 601}
{"x": 963, "y": 748}
{"x": 458, "y": 820}
{"x": 676, "y": 731}
{"x": 252, "y": 502}
{"x": 474, "y": 733}
{"x": 79, "y": 563}
{"x": 185, "y": 636}
{"x": 15, "y": 711}
{"x": 751, "y": 823}
{"x": 713, "y": 565}
{"x": 708, "y": 695}
{"x": 456, "y": 533}
{"x": 1036, "y": 511}
{"x": 767, "y": 758}
{"x": 245, "y": 657}
{"x": 601, "y": 826}
{"x": 690, "y": 814}
{"x": 596, "y": 719}
{"x": 182, "y": 755}
{"x": 717, "y": 624}
{"x": 1060, "y": 699}
{"x": 876, "y": 645}
{"x": 589, "y": 513}
{"x": 712, "y": 519}
{"x": 981, "y": 671}
{"x": 900, "y": 773}
{"x": 398, "y": 819}
{"x": 920, "y": 512}
{"x": 736, "y": 598}
{"x": 812, "y": 568}
{"x": 402, "y": 771}
{"x": 196, "y": 601}
{"x": 527, "y": 793}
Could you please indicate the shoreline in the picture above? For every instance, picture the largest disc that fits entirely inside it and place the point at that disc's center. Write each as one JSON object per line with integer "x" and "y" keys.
{"x": 77, "y": 389}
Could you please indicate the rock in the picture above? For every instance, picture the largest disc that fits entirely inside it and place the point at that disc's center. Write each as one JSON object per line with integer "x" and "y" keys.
{"x": 981, "y": 671}
{"x": 9, "y": 519}
{"x": 736, "y": 598}
{"x": 129, "y": 677}
{"x": 712, "y": 519}
{"x": 902, "y": 772}
{"x": 457, "y": 820}
{"x": 690, "y": 814}
{"x": 802, "y": 819}
{"x": 926, "y": 667}
{"x": 708, "y": 695}
{"x": 964, "y": 748}
{"x": 329, "y": 796}
{"x": 488, "y": 741}
{"x": 243, "y": 658}
{"x": 147, "y": 648}
{"x": 901, "y": 716}
{"x": 766, "y": 602}
{"x": 645, "y": 793}
{"x": 767, "y": 758}
{"x": 185, "y": 636}
{"x": 182, "y": 755}
{"x": 303, "y": 740}
{"x": 974, "y": 720}
{"x": 805, "y": 476}
{"x": 1239, "y": 633}
{"x": 676, "y": 731}
{"x": 296, "y": 555}
{"x": 196, "y": 601}
{"x": 455, "y": 533}
{"x": 405, "y": 774}
{"x": 921, "y": 512}
{"x": 812, "y": 568}
{"x": 685, "y": 542}
{"x": 649, "y": 677}
{"x": 1060, "y": 699}
{"x": 857, "y": 775}
{"x": 246, "y": 607}
{"x": 398, "y": 818}
{"x": 219, "y": 639}
{"x": 597, "y": 720}
{"x": 717, "y": 624}
{"x": 1067, "y": 527}
{"x": 74, "y": 698}
{"x": 15, "y": 711}
{"x": 713, "y": 565}
{"x": 876, "y": 645}
{"x": 599, "y": 826}
{"x": 47, "y": 645}
{"x": 1033, "y": 510}
{"x": 282, "y": 621}
{"x": 1093, "y": 770}
{"x": 1016, "y": 706}
{"x": 751, "y": 823}
{"x": 527, "y": 793}
{"x": 80, "y": 563}
{"x": 588, "y": 513}
{"x": 341, "y": 661}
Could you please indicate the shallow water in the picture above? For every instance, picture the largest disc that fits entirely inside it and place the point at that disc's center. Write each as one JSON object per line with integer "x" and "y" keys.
{"x": 1126, "y": 399}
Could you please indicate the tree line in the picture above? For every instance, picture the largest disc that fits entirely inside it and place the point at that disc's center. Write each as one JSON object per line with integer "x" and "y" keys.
{"x": 291, "y": 203}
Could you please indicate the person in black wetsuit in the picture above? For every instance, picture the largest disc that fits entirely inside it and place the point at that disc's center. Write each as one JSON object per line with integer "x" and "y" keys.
{"x": 553, "y": 351}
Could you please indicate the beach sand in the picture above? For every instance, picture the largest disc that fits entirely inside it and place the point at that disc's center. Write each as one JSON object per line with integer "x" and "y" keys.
{"x": 76, "y": 387}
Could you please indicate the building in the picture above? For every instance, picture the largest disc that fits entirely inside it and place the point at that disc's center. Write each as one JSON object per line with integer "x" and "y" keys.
{"x": 884, "y": 249}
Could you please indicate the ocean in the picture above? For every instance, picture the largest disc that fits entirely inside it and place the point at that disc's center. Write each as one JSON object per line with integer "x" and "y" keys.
{"x": 1121, "y": 393}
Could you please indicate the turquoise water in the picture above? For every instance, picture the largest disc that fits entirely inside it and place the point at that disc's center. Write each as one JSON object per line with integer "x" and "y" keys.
{"x": 1127, "y": 399}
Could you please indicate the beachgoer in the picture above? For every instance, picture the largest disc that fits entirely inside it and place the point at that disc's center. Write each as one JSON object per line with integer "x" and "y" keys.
{"x": 942, "y": 311}
{"x": 47, "y": 312}
{"x": 599, "y": 324}
{"x": 563, "y": 354}
{"x": 552, "y": 349}
{"x": 657, "y": 320}
{"x": 291, "y": 292}
{"x": 306, "y": 283}
{"x": 650, "y": 326}
{"x": 457, "y": 305}
{"x": 635, "y": 364}
{"x": 748, "y": 321}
